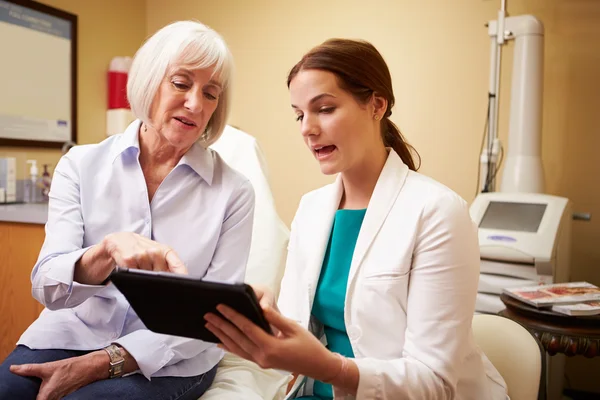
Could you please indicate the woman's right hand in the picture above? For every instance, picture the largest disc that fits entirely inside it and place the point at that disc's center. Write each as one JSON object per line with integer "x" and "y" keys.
{"x": 125, "y": 249}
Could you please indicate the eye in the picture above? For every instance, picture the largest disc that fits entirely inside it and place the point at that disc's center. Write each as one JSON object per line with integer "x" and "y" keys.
{"x": 299, "y": 117}
{"x": 327, "y": 110}
{"x": 210, "y": 96}
{"x": 180, "y": 85}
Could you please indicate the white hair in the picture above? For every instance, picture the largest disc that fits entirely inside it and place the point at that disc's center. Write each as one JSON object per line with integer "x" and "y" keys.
{"x": 190, "y": 43}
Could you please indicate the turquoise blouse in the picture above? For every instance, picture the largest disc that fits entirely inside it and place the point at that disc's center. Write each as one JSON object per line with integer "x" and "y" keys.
{"x": 328, "y": 306}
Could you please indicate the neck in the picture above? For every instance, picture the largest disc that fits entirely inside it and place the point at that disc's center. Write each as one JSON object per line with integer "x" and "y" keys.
{"x": 359, "y": 183}
{"x": 156, "y": 151}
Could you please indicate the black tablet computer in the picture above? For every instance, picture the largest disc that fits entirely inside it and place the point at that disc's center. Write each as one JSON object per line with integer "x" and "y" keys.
{"x": 176, "y": 304}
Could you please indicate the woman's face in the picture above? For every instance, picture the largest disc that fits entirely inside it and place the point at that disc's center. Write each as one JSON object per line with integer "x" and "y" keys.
{"x": 339, "y": 131}
{"x": 184, "y": 103}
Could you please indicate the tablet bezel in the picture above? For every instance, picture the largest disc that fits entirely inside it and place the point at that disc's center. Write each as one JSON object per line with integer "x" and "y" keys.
{"x": 174, "y": 304}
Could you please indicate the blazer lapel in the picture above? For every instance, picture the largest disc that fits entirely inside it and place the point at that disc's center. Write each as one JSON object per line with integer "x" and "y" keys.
{"x": 318, "y": 234}
{"x": 386, "y": 191}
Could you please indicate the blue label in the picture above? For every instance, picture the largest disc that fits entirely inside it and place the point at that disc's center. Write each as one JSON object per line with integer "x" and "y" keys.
{"x": 28, "y": 18}
{"x": 501, "y": 238}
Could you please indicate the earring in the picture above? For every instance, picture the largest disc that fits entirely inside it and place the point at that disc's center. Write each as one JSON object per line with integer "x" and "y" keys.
{"x": 376, "y": 117}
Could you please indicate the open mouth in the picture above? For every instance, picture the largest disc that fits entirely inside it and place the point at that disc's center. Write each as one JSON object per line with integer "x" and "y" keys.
{"x": 185, "y": 121}
{"x": 324, "y": 151}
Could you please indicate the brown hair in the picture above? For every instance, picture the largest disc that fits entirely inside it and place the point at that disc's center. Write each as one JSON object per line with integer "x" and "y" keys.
{"x": 362, "y": 71}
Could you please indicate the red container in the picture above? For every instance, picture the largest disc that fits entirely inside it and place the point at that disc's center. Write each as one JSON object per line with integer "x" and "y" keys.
{"x": 117, "y": 90}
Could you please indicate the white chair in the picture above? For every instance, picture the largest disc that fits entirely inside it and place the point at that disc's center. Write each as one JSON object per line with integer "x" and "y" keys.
{"x": 516, "y": 354}
{"x": 237, "y": 378}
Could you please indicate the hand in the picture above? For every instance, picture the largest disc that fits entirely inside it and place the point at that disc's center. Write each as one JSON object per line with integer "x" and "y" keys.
{"x": 60, "y": 378}
{"x": 131, "y": 250}
{"x": 292, "y": 349}
{"x": 265, "y": 297}
{"x": 126, "y": 249}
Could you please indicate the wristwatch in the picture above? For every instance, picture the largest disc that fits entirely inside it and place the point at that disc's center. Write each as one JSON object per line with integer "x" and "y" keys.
{"x": 116, "y": 361}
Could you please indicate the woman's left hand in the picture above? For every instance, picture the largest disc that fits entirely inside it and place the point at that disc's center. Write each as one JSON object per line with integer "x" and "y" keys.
{"x": 292, "y": 349}
{"x": 60, "y": 378}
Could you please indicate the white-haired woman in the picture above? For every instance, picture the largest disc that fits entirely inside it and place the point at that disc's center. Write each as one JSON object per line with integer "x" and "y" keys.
{"x": 153, "y": 198}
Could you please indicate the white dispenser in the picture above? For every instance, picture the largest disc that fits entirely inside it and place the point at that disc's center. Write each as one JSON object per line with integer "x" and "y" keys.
{"x": 32, "y": 193}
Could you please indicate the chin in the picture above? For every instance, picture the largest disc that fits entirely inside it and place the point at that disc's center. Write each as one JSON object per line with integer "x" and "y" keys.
{"x": 328, "y": 169}
{"x": 180, "y": 140}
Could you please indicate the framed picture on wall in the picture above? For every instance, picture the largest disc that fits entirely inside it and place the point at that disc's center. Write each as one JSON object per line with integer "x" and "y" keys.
{"x": 38, "y": 75}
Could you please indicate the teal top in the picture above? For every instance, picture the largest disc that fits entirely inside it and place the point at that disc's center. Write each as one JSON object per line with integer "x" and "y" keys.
{"x": 328, "y": 306}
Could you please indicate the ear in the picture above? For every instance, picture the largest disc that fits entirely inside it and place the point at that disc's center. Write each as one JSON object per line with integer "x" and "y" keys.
{"x": 379, "y": 104}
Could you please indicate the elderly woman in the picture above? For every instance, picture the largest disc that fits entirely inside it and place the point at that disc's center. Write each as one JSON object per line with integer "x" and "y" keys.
{"x": 152, "y": 198}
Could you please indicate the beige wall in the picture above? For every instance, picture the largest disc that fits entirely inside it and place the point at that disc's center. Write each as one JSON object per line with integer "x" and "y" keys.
{"x": 107, "y": 28}
{"x": 438, "y": 54}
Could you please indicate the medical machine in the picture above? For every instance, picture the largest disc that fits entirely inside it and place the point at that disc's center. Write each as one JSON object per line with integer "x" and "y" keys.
{"x": 524, "y": 239}
{"x": 524, "y": 235}
{"x": 523, "y": 171}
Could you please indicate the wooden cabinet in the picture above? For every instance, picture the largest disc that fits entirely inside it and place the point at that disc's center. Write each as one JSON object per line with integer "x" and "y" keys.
{"x": 20, "y": 245}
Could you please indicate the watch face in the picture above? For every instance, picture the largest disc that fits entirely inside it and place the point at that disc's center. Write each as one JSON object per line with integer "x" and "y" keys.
{"x": 116, "y": 361}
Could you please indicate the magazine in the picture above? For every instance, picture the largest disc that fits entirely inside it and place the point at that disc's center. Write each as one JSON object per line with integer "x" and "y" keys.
{"x": 557, "y": 293}
{"x": 579, "y": 309}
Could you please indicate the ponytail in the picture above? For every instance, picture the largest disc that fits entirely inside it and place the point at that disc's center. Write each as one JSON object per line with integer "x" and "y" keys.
{"x": 361, "y": 70}
{"x": 394, "y": 139}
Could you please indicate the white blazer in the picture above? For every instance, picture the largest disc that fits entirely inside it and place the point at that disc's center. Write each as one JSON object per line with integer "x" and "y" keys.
{"x": 411, "y": 289}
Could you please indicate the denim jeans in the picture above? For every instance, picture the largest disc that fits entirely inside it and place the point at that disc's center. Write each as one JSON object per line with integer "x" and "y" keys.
{"x": 132, "y": 387}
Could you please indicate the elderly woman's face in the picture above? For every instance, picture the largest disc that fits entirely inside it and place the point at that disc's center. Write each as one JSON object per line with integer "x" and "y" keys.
{"x": 185, "y": 101}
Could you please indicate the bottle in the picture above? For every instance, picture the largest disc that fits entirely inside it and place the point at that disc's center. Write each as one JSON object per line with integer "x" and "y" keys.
{"x": 31, "y": 185}
{"x": 46, "y": 180}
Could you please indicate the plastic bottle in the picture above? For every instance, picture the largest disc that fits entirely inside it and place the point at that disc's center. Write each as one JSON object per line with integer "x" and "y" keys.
{"x": 46, "y": 180}
{"x": 31, "y": 185}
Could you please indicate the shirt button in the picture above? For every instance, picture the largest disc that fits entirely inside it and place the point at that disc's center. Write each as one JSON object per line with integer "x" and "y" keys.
{"x": 147, "y": 221}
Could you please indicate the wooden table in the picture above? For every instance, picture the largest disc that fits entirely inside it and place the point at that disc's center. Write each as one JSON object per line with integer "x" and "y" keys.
{"x": 558, "y": 333}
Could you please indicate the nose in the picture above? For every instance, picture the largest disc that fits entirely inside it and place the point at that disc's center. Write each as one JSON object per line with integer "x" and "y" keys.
{"x": 309, "y": 126}
{"x": 194, "y": 101}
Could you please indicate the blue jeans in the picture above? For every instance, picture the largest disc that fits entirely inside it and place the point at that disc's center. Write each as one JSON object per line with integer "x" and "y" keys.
{"x": 133, "y": 387}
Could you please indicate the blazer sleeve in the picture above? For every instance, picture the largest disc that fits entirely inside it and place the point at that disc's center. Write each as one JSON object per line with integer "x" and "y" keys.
{"x": 440, "y": 306}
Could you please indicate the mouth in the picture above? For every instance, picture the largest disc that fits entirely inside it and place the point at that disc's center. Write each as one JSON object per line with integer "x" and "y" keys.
{"x": 323, "y": 152}
{"x": 185, "y": 121}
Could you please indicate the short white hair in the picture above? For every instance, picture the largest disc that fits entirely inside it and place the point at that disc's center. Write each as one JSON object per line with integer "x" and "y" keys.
{"x": 190, "y": 43}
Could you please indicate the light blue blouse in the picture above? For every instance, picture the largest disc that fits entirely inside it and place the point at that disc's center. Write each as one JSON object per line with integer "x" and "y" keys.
{"x": 203, "y": 210}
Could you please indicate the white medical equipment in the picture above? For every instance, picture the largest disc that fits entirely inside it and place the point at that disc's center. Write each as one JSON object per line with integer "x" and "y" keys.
{"x": 524, "y": 235}
{"x": 524, "y": 239}
{"x": 523, "y": 170}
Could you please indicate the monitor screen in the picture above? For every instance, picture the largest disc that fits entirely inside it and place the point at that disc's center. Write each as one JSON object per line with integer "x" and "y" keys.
{"x": 520, "y": 217}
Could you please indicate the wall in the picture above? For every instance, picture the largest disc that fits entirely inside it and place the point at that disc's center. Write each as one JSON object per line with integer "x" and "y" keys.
{"x": 438, "y": 54}
{"x": 107, "y": 28}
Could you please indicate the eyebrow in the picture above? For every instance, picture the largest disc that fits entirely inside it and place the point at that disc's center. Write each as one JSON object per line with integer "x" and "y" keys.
{"x": 316, "y": 98}
{"x": 215, "y": 83}
{"x": 190, "y": 75}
